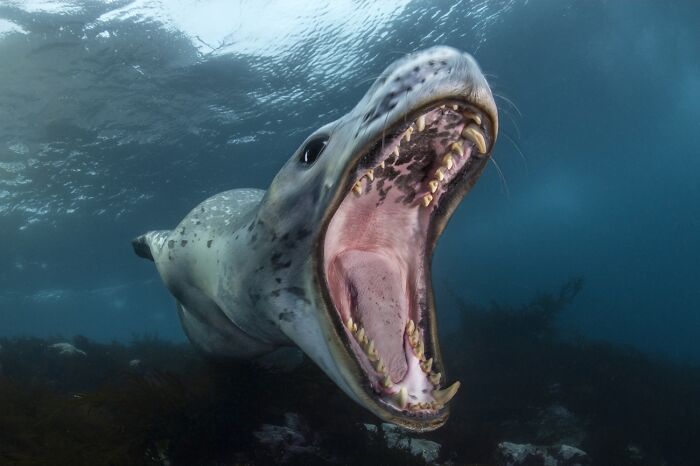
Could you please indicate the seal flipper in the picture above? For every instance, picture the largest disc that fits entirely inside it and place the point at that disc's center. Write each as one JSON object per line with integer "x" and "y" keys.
{"x": 144, "y": 245}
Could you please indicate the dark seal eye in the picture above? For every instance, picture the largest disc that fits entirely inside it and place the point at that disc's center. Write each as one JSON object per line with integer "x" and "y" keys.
{"x": 313, "y": 150}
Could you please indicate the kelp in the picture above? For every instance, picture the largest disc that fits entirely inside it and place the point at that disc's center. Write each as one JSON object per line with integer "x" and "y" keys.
{"x": 177, "y": 407}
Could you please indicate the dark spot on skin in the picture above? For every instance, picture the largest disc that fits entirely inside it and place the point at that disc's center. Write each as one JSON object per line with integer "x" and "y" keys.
{"x": 275, "y": 293}
{"x": 202, "y": 209}
{"x": 254, "y": 238}
{"x": 278, "y": 263}
{"x": 171, "y": 243}
{"x": 251, "y": 226}
{"x": 183, "y": 243}
{"x": 254, "y": 297}
{"x": 298, "y": 292}
{"x": 302, "y": 233}
{"x": 278, "y": 280}
{"x": 182, "y": 232}
{"x": 286, "y": 316}
{"x": 209, "y": 243}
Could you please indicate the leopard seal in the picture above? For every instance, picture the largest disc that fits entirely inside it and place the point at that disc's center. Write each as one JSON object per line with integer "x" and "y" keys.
{"x": 335, "y": 256}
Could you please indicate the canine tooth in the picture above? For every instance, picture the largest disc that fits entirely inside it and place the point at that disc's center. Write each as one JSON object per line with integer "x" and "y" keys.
{"x": 410, "y": 327}
{"x": 444, "y": 396}
{"x": 435, "y": 378}
{"x": 472, "y": 116}
{"x": 433, "y": 185}
{"x": 370, "y": 174}
{"x": 357, "y": 188}
{"x": 420, "y": 124}
{"x": 473, "y": 133}
{"x": 440, "y": 173}
{"x": 448, "y": 161}
{"x": 360, "y": 334}
{"x": 402, "y": 397}
{"x": 427, "y": 365}
{"x": 427, "y": 199}
{"x": 386, "y": 382}
{"x": 457, "y": 147}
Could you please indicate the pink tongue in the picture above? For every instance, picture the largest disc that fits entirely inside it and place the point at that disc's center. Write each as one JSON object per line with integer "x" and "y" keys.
{"x": 380, "y": 303}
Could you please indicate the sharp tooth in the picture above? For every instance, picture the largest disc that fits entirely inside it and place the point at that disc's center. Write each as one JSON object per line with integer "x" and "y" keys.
{"x": 360, "y": 334}
{"x": 427, "y": 365}
{"x": 444, "y": 396}
{"x": 433, "y": 185}
{"x": 357, "y": 188}
{"x": 457, "y": 148}
{"x": 354, "y": 328}
{"x": 448, "y": 161}
{"x": 407, "y": 135}
{"x": 435, "y": 378}
{"x": 386, "y": 382}
{"x": 473, "y": 133}
{"x": 455, "y": 107}
{"x": 420, "y": 350}
{"x": 348, "y": 323}
{"x": 380, "y": 366}
{"x": 410, "y": 327}
{"x": 370, "y": 347}
{"x": 370, "y": 174}
{"x": 382, "y": 164}
{"x": 440, "y": 173}
{"x": 472, "y": 116}
{"x": 427, "y": 199}
{"x": 402, "y": 397}
{"x": 420, "y": 124}
{"x": 396, "y": 151}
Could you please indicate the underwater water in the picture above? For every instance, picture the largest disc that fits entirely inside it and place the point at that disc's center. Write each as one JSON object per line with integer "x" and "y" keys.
{"x": 118, "y": 117}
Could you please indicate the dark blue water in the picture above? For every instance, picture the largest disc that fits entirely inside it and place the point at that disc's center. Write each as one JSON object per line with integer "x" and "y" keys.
{"x": 118, "y": 117}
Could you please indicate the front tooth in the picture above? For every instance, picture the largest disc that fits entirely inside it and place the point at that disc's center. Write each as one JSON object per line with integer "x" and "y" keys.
{"x": 427, "y": 365}
{"x": 457, "y": 147}
{"x": 448, "y": 161}
{"x": 473, "y": 133}
{"x": 435, "y": 378}
{"x": 433, "y": 185}
{"x": 444, "y": 396}
{"x": 402, "y": 397}
{"x": 440, "y": 173}
{"x": 357, "y": 188}
{"x": 420, "y": 124}
{"x": 370, "y": 174}
{"x": 427, "y": 199}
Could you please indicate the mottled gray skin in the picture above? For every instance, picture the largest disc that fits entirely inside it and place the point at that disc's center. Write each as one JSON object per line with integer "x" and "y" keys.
{"x": 244, "y": 264}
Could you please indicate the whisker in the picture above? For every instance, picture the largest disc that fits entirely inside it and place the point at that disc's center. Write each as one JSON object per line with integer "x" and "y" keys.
{"x": 510, "y": 102}
{"x": 520, "y": 152}
{"x": 504, "y": 183}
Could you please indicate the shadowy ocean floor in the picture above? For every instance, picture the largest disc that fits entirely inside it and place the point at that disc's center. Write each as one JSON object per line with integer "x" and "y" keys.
{"x": 528, "y": 397}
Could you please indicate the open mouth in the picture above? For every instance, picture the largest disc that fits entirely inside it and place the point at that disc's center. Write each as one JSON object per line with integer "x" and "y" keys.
{"x": 378, "y": 245}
